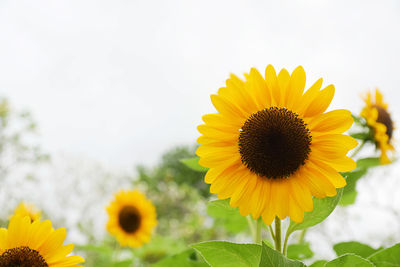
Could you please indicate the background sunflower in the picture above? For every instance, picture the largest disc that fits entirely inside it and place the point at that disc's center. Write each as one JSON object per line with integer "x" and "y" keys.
{"x": 380, "y": 121}
{"x": 132, "y": 218}
{"x": 25, "y": 209}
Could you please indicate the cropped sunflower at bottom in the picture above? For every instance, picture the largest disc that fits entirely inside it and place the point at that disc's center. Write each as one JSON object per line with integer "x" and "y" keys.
{"x": 132, "y": 218}
{"x": 379, "y": 120}
{"x": 27, "y": 243}
{"x": 271, "y": 147}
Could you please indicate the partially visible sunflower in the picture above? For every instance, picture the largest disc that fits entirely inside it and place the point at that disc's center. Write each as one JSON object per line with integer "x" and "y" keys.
{"x": 272, "y": 147}
{"x": 132, "y": 218}
{"x": 25, "y": 209}
{"x": 27, "y": 243}
{"x": 378, "y": 118}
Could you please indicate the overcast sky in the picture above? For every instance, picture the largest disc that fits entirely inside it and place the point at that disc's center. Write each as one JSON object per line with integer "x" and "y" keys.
{"x": 122, "y": 81}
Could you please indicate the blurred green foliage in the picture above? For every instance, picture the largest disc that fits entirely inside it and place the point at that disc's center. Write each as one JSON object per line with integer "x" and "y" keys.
{"x": 18, "y": 147}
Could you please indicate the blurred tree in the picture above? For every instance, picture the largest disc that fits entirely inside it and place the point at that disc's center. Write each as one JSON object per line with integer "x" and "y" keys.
{"x": 171, "y": 169}
{"x": 17, "y": 132}
{"x": 18, "y": 151}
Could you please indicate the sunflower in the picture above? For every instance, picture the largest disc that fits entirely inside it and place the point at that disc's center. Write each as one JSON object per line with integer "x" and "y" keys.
{"x": 24, "y": 209}
{"x": 27, "y": 243}
{"x": 379, "y": 120}
{"x": 132, "y": 218}
{"x": 271, "y": 147}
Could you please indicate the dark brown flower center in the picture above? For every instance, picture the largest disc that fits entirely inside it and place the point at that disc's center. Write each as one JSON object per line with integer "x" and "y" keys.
{"x": 22, "y": 257}
{"x": 274, "y": 143}
{"x": 129, "y": 219}
{"x": 385, "y": 119}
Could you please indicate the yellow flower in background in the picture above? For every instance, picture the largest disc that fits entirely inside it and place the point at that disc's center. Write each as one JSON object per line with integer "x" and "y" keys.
{"x": 24, "y": 209}
{"x": 272, "y": 147}
{"x": 27, "y": 243}
{"x": 378, "y": 118}
{"x": 132, "y": 218}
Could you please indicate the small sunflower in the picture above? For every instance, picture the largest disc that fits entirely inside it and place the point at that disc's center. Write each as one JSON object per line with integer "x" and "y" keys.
{"x": 272, "y": 147}
{"x": 27, "y": 243}
{"x": 379, "y": 120}
{"x": 25, "y": 209}
{"x": 132, "y": 218}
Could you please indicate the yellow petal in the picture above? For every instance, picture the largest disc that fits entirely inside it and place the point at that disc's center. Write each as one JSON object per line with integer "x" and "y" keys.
{"x": 301, "y": 195}
{"x": 295, "y": 212}
{"x": 296, "y": 86}
{"x": 227, "y": 108}
{"x": 343, "y": 164}
{"x": 320, "y": 102}
{"x": 283, "y": 82}
{"x": 272, "y": 83}
{"x": 53, "y": 242}
{"x": 336, "y": 121}
{"x": 302, "y": 105}
{"x": 328, "y": 172}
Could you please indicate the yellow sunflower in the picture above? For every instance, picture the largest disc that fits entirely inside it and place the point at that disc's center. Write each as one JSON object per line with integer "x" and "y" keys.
{"x": 272, "y": 147}
{"x": 132, "y": 218}
{"x": 378, "y": 118}
{"x": 24, "y": 209}
{"x": 27, "y": 243}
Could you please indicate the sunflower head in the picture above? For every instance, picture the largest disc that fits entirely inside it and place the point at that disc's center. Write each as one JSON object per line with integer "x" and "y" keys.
{"x": 26, "y": 243}
{"x": 24, "y": 209}
{"x": 132, "y": 218}
{"x": 271, "y": 146}
{"x": 380, "y": 122}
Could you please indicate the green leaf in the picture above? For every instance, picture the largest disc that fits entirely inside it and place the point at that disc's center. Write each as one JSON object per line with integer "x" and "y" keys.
{"x": 368, "y": 163}
{"x": 227, "y": 216}
{"x": 348, "y": 198}
{"x": 349, "y": 260}
{"x": 225, "y": 254}
{"x": 349, "y": 192}
{"x": 273, "y": 258}
{"x": 319, "y": 263}
{"x": 188, "y": 258}
{"x": 357, "y": 248}
{"x": 193, "y": 163}
{"x": 323, "y": 207}
{"x": 299, "y": 251}
{"x": 389, "y": 257}
{"x": 359, "y": 120}
{"x": 361, "y": 136}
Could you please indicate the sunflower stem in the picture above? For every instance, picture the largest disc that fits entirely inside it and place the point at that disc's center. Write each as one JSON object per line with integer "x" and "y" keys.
{"x": 302, "y": 235}
{"x": 285, "y": 243}
{"x": 272, "y": 232}
{"x": 117, "y": 250}
{"x": 278, "y": 235}
{"x": 358, "y": 149}
{"x": 258, "y": 232}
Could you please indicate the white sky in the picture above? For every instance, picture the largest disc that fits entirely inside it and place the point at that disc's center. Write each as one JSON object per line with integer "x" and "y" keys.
{"x": 122, "y": 81}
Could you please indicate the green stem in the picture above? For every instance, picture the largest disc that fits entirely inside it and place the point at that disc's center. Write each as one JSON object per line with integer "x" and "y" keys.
{"x": 302, "y": 235}
{"x": 285, "y": 243}
{"x": 117, "y": 250}
{"x": 358, "y": 149}
{"x": 278, "y": 235}
{"x": 252, "y": 228}
{"x": 258, "y": 232}
{"x": 272, "y": 232}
